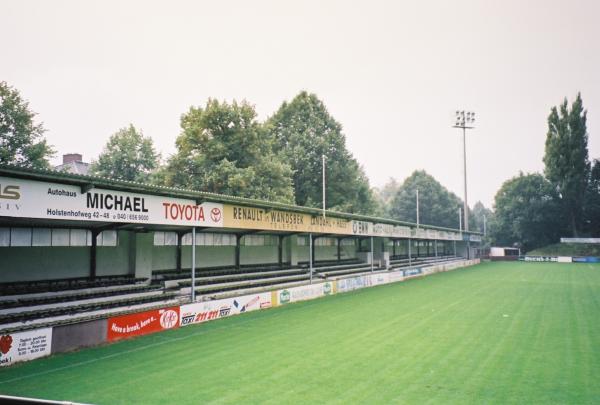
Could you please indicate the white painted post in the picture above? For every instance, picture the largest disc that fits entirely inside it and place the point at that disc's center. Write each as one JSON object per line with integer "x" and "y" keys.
{"x": 310, "y": 256}
{"x": 371, "y": 254}
{"x": 409, "y": 253}
{"x": 193, "y": 264}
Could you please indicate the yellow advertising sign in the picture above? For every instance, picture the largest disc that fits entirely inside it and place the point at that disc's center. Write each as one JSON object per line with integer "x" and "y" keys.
{"x": 258, "y": 218}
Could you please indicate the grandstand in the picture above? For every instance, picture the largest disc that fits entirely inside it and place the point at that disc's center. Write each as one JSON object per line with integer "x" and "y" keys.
{"x": 81, "y": 253}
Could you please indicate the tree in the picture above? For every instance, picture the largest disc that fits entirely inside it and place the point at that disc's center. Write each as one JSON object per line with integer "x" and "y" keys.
{"x": 21, "y": 139}
{"x": 527, "y": 213}
{"x": 566, "y": 158}
{"x": 224, "y": 149}
{"x": 305, "y": 131}
{"x": 128, "y": 155}
{"x": 385, "y": 195}
{"x": 476, "y": 219}
{"x": 591, "y": 206}
{"x": 437, "y": 206}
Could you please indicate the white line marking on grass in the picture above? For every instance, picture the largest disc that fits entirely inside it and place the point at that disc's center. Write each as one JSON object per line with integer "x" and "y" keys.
{"x": 164, "y": 340}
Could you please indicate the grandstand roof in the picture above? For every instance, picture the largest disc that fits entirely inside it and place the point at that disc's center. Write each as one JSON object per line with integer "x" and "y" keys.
{"x": 87, "y": 181}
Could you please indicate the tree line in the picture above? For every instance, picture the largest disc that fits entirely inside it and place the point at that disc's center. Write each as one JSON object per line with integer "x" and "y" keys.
{"x": 223, "y": 148}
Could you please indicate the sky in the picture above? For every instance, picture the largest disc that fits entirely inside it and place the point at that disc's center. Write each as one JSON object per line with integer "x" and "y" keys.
{"x": 391, "y": 72}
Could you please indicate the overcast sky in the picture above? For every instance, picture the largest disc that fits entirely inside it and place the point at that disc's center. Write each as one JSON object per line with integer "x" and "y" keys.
{"x": 392, "y": 73}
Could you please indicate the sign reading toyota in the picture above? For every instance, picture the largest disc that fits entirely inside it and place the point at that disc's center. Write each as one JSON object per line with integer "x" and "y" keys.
{"x": 36, "y": 199}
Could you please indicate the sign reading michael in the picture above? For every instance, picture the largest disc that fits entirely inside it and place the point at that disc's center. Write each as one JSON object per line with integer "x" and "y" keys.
{"x": 36, "y": 199}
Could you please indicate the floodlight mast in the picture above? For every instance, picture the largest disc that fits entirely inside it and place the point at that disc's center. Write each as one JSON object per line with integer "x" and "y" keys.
{"x": 465, "y": 120}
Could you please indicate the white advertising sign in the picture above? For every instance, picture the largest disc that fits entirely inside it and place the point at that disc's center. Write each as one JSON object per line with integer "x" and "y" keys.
{"x": 353, "y": 283}
{"x": 379, "y": 278}
{"x": 209, "y": 310}
{"x": 305, "y": 292}
{"x": 395, "y": 276}
{"x": 22, "y": 346}
{"x": 36, "y": 199}
{"x": 565, "y": 259}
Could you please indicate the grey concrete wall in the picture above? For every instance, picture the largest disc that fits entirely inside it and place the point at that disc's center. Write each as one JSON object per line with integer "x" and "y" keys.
{"x": 70, "y": 337}
{"x": 208, "y": 256}
{"x": 114, "y": 260}
{"x": 55, "y": 262}
{"x": 143, "y": 254}
{"x": 40, "y": 263}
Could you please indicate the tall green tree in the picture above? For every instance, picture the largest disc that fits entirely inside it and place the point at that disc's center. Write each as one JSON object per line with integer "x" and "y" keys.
{"x": 437, "y": 205}
{"x": 566, "y": 158}
{"x": 21, "y": 138}
{"x": 385, "y": 195}
{"x": 224, "y": 149}
{"x": 479, "y": 215}
{"x": 527, "y": 213}
{"x": 128, "y": 155}
{"x": 305, "y": 131}
{"x": 591, "y": 206}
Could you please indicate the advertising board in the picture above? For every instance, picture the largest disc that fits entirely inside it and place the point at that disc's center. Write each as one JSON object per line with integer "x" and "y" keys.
{"x": 395, "y": 276}
{"x": 353, "y": 283}
{"x": 538, "y": 258}
{"x": 304, "y": 292}
{"x": 587, "y": 259}
{"x": 412, "y": 273}
{"x": 142, "y": 323}
{"x": 379, "y": 278}
{"x": 23, "y": 346}
{"x": 36, "y": 199}
{"x": 200, "y": 312}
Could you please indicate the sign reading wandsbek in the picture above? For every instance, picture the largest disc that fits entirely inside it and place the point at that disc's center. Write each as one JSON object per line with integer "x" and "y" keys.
{"x": 275, "y": 220}
{"x": 36, "y": 199}
{"x": 23, "y": 346}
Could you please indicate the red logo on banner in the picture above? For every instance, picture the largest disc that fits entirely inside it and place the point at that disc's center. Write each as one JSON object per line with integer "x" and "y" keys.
{"x": 143, "y": 323}
{"x": 215, "y": 214}
{"x": 5, "y": 343}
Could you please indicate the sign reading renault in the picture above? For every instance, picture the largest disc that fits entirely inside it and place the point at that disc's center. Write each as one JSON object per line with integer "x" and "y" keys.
{"x": 36, "y": 199}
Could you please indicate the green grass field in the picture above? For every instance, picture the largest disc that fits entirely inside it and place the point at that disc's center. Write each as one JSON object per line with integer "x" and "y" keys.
{"x": 493, "y": 333}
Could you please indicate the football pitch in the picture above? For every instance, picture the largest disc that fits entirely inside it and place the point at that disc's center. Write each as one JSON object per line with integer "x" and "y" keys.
{"x": 492, "y": 333}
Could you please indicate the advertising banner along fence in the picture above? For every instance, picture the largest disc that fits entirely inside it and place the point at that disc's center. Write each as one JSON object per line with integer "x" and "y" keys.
{"x": 29, "y": 345}
{"x": 142, "y": 323}
{"x": 305, "y": 292}
{"x": 209, "y": 310}
{"x": 36, "y": 199}
{"x": 353, "y": 283}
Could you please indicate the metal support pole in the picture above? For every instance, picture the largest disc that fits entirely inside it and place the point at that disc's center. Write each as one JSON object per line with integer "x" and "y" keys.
{"x": 484, "y": 226}
{"x": 323, "y": 186}
{"x": 409, "y": 253}
{"x": 280, "y": 251}
{"x": 465, "y": 173}
{"x": 178, "y": 252}
{"x": 339, "y": 249}
{"x": 93, "y": 251}
{"x": 454, "y": 248}
{"x": 310, "y": 256}
{"x": 372, "y": 254}
{"x": 417, "y": 208}
{"x": 238, "y": 241}
{"x": 435, "y": 248}
{"x": 194, "y": 264}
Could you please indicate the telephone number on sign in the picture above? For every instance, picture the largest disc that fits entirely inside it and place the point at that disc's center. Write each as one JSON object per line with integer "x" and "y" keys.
{"x": 132, "y": 217}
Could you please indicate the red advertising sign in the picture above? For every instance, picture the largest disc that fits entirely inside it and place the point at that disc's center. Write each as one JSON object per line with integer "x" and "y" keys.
{"x": 142, "y": 323}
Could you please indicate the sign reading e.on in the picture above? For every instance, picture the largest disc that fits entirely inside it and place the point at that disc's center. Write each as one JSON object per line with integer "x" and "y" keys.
{"x": 142, "y": 323}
